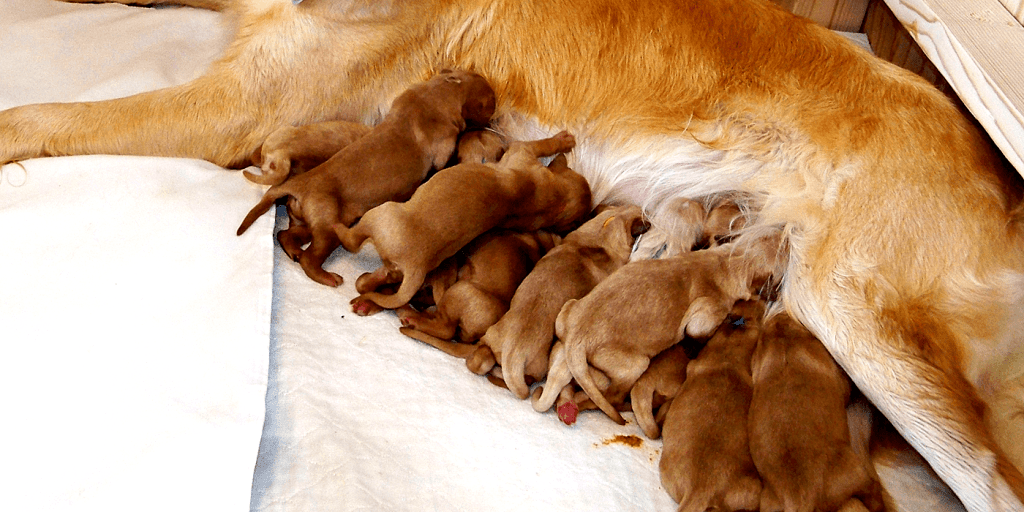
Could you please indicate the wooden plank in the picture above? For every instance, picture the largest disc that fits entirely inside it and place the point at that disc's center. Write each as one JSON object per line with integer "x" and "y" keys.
{"x": 978, "y": 47}
{"x": 1016, "y": 8}
{"x": 843, "y": 15}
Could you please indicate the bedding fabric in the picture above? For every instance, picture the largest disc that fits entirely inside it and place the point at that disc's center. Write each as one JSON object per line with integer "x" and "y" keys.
{"x": 146, "y": 350}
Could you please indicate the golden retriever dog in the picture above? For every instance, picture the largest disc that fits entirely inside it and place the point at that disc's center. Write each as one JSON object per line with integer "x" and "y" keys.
{"x": 463, "y": 202}
{"x": 705, "y": 460}
{"x": 388, "y": 163}
{"x": 906, "y": 227}
{"x": 688, "y": 295}
{"x": 799, "y": 433}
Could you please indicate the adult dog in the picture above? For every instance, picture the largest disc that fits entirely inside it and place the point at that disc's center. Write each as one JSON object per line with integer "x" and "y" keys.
{"x": 906, "y": 227}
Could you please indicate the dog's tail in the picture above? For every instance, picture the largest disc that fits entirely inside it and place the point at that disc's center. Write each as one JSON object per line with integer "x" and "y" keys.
{"x": 411, "y": 283}
{"x": 642, "y": 399}
{"x": 513, "y": 364}
{"x": 579, "y": 367}
{"x": 261, "y": 207}
{"x": 452, "y": 348}
{"x": 558, "y": 377}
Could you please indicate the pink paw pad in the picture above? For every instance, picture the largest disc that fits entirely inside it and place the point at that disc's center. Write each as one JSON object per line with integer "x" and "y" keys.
{"x": 567, "y": 412}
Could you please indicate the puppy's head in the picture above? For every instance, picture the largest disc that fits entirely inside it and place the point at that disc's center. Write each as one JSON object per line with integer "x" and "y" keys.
{"x": 480, "y": 146}
{"x": 479, "y": 100}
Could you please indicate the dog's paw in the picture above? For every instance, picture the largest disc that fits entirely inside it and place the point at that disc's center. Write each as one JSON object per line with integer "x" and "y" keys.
{"x": 364, "y": 307}
{"x": 567, "y": 412}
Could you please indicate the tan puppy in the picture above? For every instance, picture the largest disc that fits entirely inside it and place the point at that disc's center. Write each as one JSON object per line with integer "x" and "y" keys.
{"x": 569, "y": 271}
{"x": 419, "y": 134}
{"x": 705, "y": 460}
{"x": 686, "y": 295}
{"x": 723, "y": 221}
{"x": 656, "y": 388}
{"x": 463, "y": 202}
{"x": 297, "y": 149}
{"x": 472, "y": 289}
{"x": 799, "y": 438}
{"x": 481, "y": 147}
{"x": 673, "y": 99}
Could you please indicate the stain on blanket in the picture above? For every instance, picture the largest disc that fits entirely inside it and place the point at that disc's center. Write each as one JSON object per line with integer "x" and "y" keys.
{"x": 631, "y": 441}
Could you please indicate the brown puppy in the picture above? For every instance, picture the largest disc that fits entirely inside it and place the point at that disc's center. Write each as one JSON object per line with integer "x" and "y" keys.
{"x": 656, "y": 388}
{"x": 481, "y": 147}
{"x": 705, "y": 460}
{"x": 686, "y": 295}
{"x": 724, "y": 219}
{"x": 472, "y": 289}
{"x": 417, "y": 135}
{"x": 297, "y": 149}
{"x": 799, "y": 438}
{"x": 569, "y": 271}
{"x": 463, "y": 202}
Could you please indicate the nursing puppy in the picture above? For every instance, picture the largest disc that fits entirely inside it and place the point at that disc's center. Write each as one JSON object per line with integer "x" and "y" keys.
{"x": 463, "y": 202}
{"x": 585, "y": 257}
{"x": 388, "y": 163}
{"x": 472, "y": 289}
{"x": 297, "y": 149}
{"x": 799, "y": 438}
{"x": 671, "y": 298}
{"x": 705, "y": 460}
{"x": 673, "y": 98}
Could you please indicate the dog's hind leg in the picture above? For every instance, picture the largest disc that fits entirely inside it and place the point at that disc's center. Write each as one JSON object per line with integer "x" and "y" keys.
{"x": 890, "y": 355}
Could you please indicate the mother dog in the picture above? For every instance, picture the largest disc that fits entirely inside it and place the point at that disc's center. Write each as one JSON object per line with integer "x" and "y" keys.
{"x": 906, "y": 228}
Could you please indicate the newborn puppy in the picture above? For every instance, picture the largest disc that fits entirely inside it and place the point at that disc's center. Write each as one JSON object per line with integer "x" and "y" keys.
{"x": 472, "y": 289}
{"x": 462, "y": 202}
{"x": 297, "y": 149}
{"x": 656, "y": 388}
{"x": 705, "y": 461}
{"x": 686, "y": 295}
{"x": 723, "y": 220}
{"x": 388, "y": 163}
{"x": 799, "y": 437}
{"x": 570, "y": 270}
{"x": 481, "y": 147}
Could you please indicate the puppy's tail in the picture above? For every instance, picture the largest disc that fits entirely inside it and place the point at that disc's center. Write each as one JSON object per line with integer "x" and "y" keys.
{"x": 579, "y": 367}
{"x": 513, "y": 364}
{"x": 261, "y": 207}
{"x": 642, "y": 399}
{"x": 558, "y": 377}
{"x": 411, "y": 283}
{"x": 452, "y": 348}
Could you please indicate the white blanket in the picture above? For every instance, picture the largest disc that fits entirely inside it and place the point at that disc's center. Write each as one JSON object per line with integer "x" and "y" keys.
{"x": 139, "y": 325}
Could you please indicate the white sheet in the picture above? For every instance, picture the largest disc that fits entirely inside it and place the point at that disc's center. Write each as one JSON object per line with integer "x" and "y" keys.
{"x": 135, "y": 324}
{"x": 136, "y": 328}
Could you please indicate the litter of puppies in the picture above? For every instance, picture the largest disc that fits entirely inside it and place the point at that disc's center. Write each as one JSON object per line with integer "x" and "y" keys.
{"x": 502, "y": 261}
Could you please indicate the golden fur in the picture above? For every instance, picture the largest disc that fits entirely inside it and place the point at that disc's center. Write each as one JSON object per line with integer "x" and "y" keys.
{"x": 905, "y": 225}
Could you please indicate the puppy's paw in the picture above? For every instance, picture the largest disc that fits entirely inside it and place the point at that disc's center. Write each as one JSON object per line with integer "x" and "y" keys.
{"x": 567, "y": 412}
{"x": 364, "y": 307}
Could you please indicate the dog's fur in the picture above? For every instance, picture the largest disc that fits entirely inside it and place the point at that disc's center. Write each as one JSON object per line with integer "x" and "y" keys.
{"x": 656, "y": 388}
{"x": 418, "y": 135}
{"x": 705, "y": 461}
{"x": 907, "y": 228}
{"x": 799, "y": 438}
{"x": 297, "y": 149}
{"x": 585, "y": 257}
{"x": 462, "y": 202}
{"x": 686, "y": 295}
{"x": 472, "y": 289}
